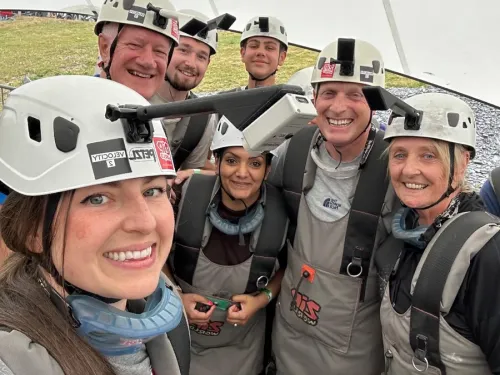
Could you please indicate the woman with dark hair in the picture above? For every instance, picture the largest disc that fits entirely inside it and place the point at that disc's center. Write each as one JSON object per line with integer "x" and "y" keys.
{"x": 90, "y": 225}
{"x": 228, "y": 258}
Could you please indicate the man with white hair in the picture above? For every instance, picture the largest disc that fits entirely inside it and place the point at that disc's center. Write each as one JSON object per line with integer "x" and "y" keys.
{"x": 136, "y": 43}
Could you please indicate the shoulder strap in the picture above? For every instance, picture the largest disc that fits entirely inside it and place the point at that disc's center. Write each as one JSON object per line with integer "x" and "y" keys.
{"x": 190, "y": 225}
{"x": 294, "y": 168}
{"x": 181, "y": 343}
{"x": 495, "y": 181}
{"x": 194, "y": 133}
{"x": 270, "y": 238}
{"x": 426, "y": 299}
{"x": 365, "y": 214}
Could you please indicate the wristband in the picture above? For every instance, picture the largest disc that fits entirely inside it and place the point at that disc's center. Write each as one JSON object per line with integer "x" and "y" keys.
{"x": 268, "y": 293}
{"x": 196, "y": 171}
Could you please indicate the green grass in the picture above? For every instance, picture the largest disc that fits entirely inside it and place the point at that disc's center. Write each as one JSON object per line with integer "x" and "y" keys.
{"x": 41, "y": 47}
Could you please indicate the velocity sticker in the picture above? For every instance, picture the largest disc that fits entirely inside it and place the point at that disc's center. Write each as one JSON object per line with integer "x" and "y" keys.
{"x": 137, "y": 14}
{"x": 108, "y": 158}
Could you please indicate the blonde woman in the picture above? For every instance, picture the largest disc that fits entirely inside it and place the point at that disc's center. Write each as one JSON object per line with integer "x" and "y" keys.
{"x": 440, "y": 267}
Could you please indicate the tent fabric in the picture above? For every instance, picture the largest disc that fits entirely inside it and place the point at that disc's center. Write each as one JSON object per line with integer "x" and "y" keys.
{"x": 449, "y": 43}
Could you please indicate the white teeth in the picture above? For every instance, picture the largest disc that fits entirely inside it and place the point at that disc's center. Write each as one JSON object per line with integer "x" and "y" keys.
{"x": 122, "y": 256}
{"x": 415, "y": 186}
{"x": 339, "y": 122}
{"x": 140, "y": 74}
{"x": 187, "y": 73}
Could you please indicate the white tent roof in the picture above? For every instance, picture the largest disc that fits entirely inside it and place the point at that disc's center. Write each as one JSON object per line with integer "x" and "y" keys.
{"x": 450, "y": 43}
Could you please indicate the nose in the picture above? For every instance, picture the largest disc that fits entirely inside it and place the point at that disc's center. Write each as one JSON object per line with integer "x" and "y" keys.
{"x": 189, "y": 60}
{"x": 260, "y": 51}
{"x": 242, "y": 171}
{"x": 411, "y": 167}
{"x": 338, "y": 104}
{"x": 146, "y": 58}
{"x": 138, "y": 216}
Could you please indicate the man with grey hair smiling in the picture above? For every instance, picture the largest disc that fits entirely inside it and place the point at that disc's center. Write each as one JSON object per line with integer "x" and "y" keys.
{"x": 136, "y": 41}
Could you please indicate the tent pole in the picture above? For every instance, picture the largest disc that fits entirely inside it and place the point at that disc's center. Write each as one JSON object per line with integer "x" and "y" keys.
{"x": 214, "y": 8}
{"x": 395, "y": 35}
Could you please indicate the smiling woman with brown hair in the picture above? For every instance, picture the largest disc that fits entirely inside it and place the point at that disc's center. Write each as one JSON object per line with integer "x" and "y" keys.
{"x": 230, "y": 231}
{"x": 90, "y": 229}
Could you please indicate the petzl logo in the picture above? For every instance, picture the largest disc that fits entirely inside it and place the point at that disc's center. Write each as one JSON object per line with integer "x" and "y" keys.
{"x": 207, "y": 329}
{"x": 305, "y": 308}
{"x": 136, "y": 14}
{"x": 163, "y": 152}
{"x": 108, "y": 158}
{"x": 142, "y": 154}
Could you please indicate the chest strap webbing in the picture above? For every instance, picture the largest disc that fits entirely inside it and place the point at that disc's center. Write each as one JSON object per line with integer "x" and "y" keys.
{"x": 271, "y": 237}
{"x": 294, "y": 169}
{"x": 365, "y": 214}
{"x": 191, "y": 223}
{"x": 426, "y": 299}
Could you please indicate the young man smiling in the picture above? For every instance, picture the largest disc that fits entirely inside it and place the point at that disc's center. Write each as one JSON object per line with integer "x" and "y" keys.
{"x": 190, "y": 61}
{"x": 264, "y": 46}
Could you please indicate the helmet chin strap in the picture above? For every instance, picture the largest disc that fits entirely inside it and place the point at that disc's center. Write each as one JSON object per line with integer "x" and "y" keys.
{"x": 261, "y": 79}
{"x": 107, "y": 68}
{"x": 354, "y": 140}
{"x": 450, "y": 189}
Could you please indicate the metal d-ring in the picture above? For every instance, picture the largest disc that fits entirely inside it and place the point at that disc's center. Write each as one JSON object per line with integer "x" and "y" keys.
{"x": 355, "y": 265}
{"x": 262, "y": 282}
{"x": 418, "y": 369}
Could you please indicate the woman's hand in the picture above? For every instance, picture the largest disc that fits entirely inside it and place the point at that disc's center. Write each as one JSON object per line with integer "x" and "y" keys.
{"x": 249, "y": 306}
{"x": 195, "y": 316}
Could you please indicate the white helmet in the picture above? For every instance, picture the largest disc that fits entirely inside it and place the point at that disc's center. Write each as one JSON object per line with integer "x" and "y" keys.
{"x": 363, "y": 63}
{"x": 265, "y": 26}
{"x": 302, "y": 78}
{"x": 445, "y": 117}
{"x": 209, "y": 37}
{"x": 49, "y": 143}
{"x": 227, "y": 135}
{"x": 134, "y": 12}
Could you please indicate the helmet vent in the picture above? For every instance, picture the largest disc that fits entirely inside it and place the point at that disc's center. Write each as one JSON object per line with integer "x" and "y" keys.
{"x": 34, "y": 129}
{"x": 453, "y": 119}
{"x": 128, "y": 4}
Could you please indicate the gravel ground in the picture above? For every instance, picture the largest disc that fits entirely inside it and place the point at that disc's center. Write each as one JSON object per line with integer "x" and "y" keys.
{"x": 487, "y": 139}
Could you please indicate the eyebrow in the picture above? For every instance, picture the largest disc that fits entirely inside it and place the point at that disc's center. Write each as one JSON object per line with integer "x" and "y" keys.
{"x": 237, "y": 157}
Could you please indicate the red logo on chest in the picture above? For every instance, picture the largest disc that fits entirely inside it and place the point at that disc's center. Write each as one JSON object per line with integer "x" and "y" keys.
{"x": 305, "y": 308}
{"x": 207, "y": 329}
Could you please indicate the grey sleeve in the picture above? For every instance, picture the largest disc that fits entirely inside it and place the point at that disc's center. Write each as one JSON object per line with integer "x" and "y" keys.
{"x": 21, "y": 356}
{"x": 276, "y": 174}
{"x": 198, "y": 157}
